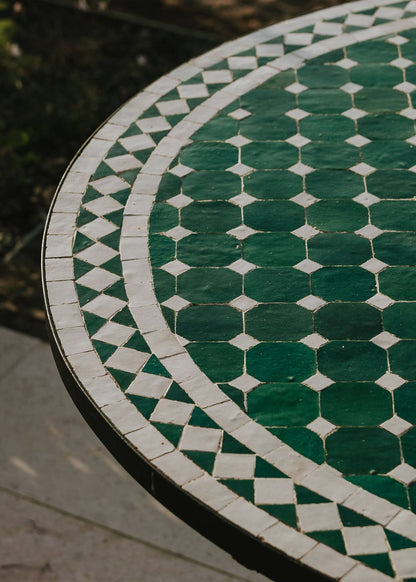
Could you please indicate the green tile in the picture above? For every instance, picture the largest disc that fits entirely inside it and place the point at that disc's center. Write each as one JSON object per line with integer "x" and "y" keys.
{"x": 327, "y": 127}
{"x": 268, "y": 97}
{"x": 400, "y": 319}
{"x": 170, "y": 185}
{"x": 389, "y": 154}
{"x": 274, "y": 285}
{"x": 81, "y": 268}
{"x": 153, "y": 366}
{"x": 209, "y": 156}
{"x": 84, "y": 217}
{"x": 331, "y": 538}
{"x": 136, "y": 342}
{"x": 351, "y": 518}
{"x": 283, "y": 405}
{"x": 396, "y": 248}
{"x": 210, "y": 217}
{"x": 200, "y": 418}
{"x": 402, "y": 359}
{"x": 266, "y": 470}
{"x": 209, "y": 285}
{"x": 117, "y": 289}
{"x": 221, "y": 362}
{"x": 220, "y": 128}
{"x": 102, "y": 171}
{"x": 209, "y": 323}
{"x": 273, "y": 184}
{"x": 133, "y": 128}
{"x": 404, "y": 399}
{"x": 162, "y": 249}
{"x": 392, "y": 183}
{"x": 375, "y": 51}
{"x": 211, "y": 185}
{"x": 284, "y": 513}
{"x": 399, "y": 283}
{"x": 325, "y": 101}
{"x": 124, "y": 317}
{"x": 209, "y": 250}
{"x": 339, "y": 249}
{"x": 398, "y": 542}
{"x": 319, "y": 76}
{"x": 394, "y": 215}
{"x": 330, "y": 155}
{"x": 175, "y": 392}
{"x": 269, "y": 155}
{"x": 116, "y": 218}
{"x": 81, "y": 242}
{"x": 354, "y": 321}
{"x": 382, "y": 486}
{"x": 93, "y": 322}
{"x": 304, "y": 495}
{"x": 123, "y": 379}
{"x": 85, "y": 294}
{"x": 274, "y": 249}
{"x": 116, "y": 150}
{"x": 381, "y": 125}
{"x": 279, "y": 322}
{"x": 172, "y": 432}
{"x": 163, "y": 217}
{"x": 334, "y": 184}
{"x": 164, "y": 284}
{"x": 346, "y": 361}
{"x": 356, "y": 404}
{"x": 112, "y": 240}
{"x": 104, "y": 350}
{"x": 231, "y": 445}
{"x": 337, "y": 215}
{"x": 281, "y": 215}
{"x": 121, "y": 196}
{"x": 129, "y": 176}
{"x": 360, "y": 451}
{"x": 144, "y": 405}
{"x": 90, "y": 195}
{"x": 380, "y": 100}
{"x": 379, "y": 562}
{"x": 236, "y": 395}
{"x": 302, "y": 440}
{"x": 202, "y": 459}
{"x": 280, "y": 362}
{"x": 376, "y": 75}
{"x": 343, "y": 284}
{"x": 266, "y": 125}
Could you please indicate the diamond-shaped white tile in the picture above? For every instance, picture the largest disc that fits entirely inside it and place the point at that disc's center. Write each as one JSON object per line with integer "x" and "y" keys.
{"x": 241, "y": 232}
{"x": 153, "y": 124}
{"x": 354, "y": 113}
{"x": 389, "y": 13}
{"x": 176, "y": 303}
{"x": 182, "y": 340}
{"x": 409, "y": 112}
{"x": 380, "y": 300}
{"x": 351, "y": 88}
{"x": 97, "y": 254}
{"x": 175, "y": 267}
{"x": 238, "y": 141}
{"x": 306, "y": 232}
{"x": 304, "y": 199}
{"x": 114, "y": 334}
{"x": 181, "y": 170}
{"x": 413, "y": 169}
{"x": 301, "y": 169}
{"x": 136, "y": 143}
{"x": 178, "y": 233}
{"x": 102, "y": 206}
{"x": 180, "y": 201}
{"x": 358, "y": 141}
{"x": 98, "y": 279}
{"x": 328, "y": 28}
{"x": 242, "y": 199}
{"x": 245, "y": 382}
{"x": 318, "y": 382}
{"x": 390, "y": 381}
{"x": 385, "y": 340}
{"x": 374, "y": 265}
{"x": 298, "y": 140}
{"x": 411, "y": 140}
{"x": 404, "y": 473}
{"x": 321, "y": 426}
{"x": 193, "y": 90}
{"x": 311, "y": 302}
{"x": 240, "y": 169}
{"x": 366, "y": 199}
{"x": 242, "y": 63}
{"x": 308, "y": 266}
{"x": 243, "y": 341}
{"x": 397, "y": 40}
{"x": 298, "y": 38}
{"x": 104, "y": 306}
{"x": 239, "y": 114}
{"x": 241, "y": 266}
{"x": 98, "y": 228}
{"x": 405, "y": 87}
{"x": 123, "y": 163}
{"x": 396, "y": 425}
{"x": 369, "y": 231}
{"x": 273, "y": 49}
{"x": 346, "y": 63}
{"x": 314, "y": 341}
{"x": 109, "y": 184}
{"x": 297, "y": 114}
{"x": 217, "y": 76}
{"x": 401, "y": 63}
{"x": 243, "y": 303}
{"x": 296, "y": 88}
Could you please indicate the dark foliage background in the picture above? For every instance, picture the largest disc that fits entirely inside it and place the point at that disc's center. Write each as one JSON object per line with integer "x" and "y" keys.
{"x": 65, "y": 66}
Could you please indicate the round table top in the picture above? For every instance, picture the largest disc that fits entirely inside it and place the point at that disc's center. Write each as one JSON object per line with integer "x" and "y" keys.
{"x": 229, "y": 270}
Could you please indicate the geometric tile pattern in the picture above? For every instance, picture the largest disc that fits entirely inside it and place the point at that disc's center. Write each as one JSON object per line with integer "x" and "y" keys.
{"x": 228, "y": 194}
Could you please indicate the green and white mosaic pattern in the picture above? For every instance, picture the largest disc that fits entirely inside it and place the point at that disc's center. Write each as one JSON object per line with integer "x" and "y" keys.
{"x": 230, "y": 268}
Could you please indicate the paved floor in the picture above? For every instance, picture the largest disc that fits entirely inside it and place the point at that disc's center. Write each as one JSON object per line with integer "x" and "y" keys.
{"x": 58, "y": 486}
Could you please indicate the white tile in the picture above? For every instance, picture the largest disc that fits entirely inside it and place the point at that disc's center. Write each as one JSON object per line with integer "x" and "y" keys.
{"x": 328, "y": 561}
{"x": 181, "y": 170}
{"x": 133, "y": 248}
{"x": 127, "y": 359}
{"x": 306, "y": 232}
{"x": 325, "y": 481}
{"x": 123, "y": 163}
{"x": 172, "y": 412}
{"x": 242, "y": 199}
{"x": 328, "y": 28}
{"x": 62, "y": 223}
{"x": 374, "y": 265}
{"x": 365, "y": 540}
{"x": 242, "y": 266}
{"x": 67, "y": 202}
{"x": 371, "y": 506}
{"x": 361, "y": 572}
{"x": 301, "y": 169}
{"x": 257, "y": 438}
{"x": 114, "y": 333}
{"x": 297, "y": 114}
{"x": 59, "y": 269}
{"x": 369, "y": 231}
{"x": 210, "y": 492}
{"x": 238, "y": 141}
{"x": 298, "y": 38}
{"x": 270, "y": 50}
{"x": 196, "y": 438}
{"x": 288, "y": 540}
{"x": 380, "y": 300}
{"x": 149, "y": 385}
{"x": 180, "y": 201}
{"x": 296, "y": 88}
{"x": 404, "y": 523}
{"x": 97, "y": 254}
{"x": 318, "y": 382}
{"x": 175, "y": 267}
{"x": 139, "y": 142}
{"x": 366, "y": 199}
{"x": 298, "y": 140}
{"x": 240, "y": 169}
{"x": 245, "y": 382}
{"x": 178, "y": 468}
{"x": 243, "y": 341}
{"x": 217, "y": 76}
{"x": 153, "y": 124}
{"x": 242, "y": 63}
{"x": 178, "y": 233}
{"x": 193, "y": 91}
{"x": 402, "y": 63}
{"x": 311, "y": 302}
{"x": 241, "y": 232}
{"x": 304, "y": 199}
{"x": 321, "y": 426}
{"x": 404, "y": 562}
{"x": 273, "y": 491}
{"x": 358, "y": 141}
{"x": 109, "y": 185}
{"x": 227, "y": 415}
{"x": 308, "y": 266}
{"x": 124, "y": 415}
{"x": 138, "y": 205}
{"x": 403, "y": 472}
{"x": 102, "y": 206}
{"x": 60, "y": 292}
{"x": 87, "y": 366}
{"x": 150, "y": 442}
{"x": 66, "y": 315}
{"x": 74, "y": 340}
{"x": 319, "y": 517}
{"x": 104, "y": 391}
{"x": 291, "y": 463}
{"x": 314, "y": 341}
{"x": 174, "y": 107}
{"x": 176, "y": 303}
{"x": 390, "y": 381}
{"x": 248, "y": 516}
{"x": 104, "y": 306}
{"x": 239, "y": 114}
{"x": 58, "y": 246}
{"x": 354, "y": 113}
{"x": 234, "y": 466}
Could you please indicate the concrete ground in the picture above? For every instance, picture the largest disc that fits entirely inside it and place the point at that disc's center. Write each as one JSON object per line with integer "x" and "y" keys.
{"x": 69, "y": 512}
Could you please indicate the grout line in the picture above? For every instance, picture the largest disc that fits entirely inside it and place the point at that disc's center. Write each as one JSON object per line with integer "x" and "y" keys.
{"x": 119, "y": 533}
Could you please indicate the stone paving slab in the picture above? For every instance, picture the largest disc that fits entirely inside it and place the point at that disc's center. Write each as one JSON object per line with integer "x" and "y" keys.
{"x": 82, "y": 517}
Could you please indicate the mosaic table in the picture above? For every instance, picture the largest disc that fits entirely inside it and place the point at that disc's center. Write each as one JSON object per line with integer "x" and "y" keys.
{"x": 229, "y": 273}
